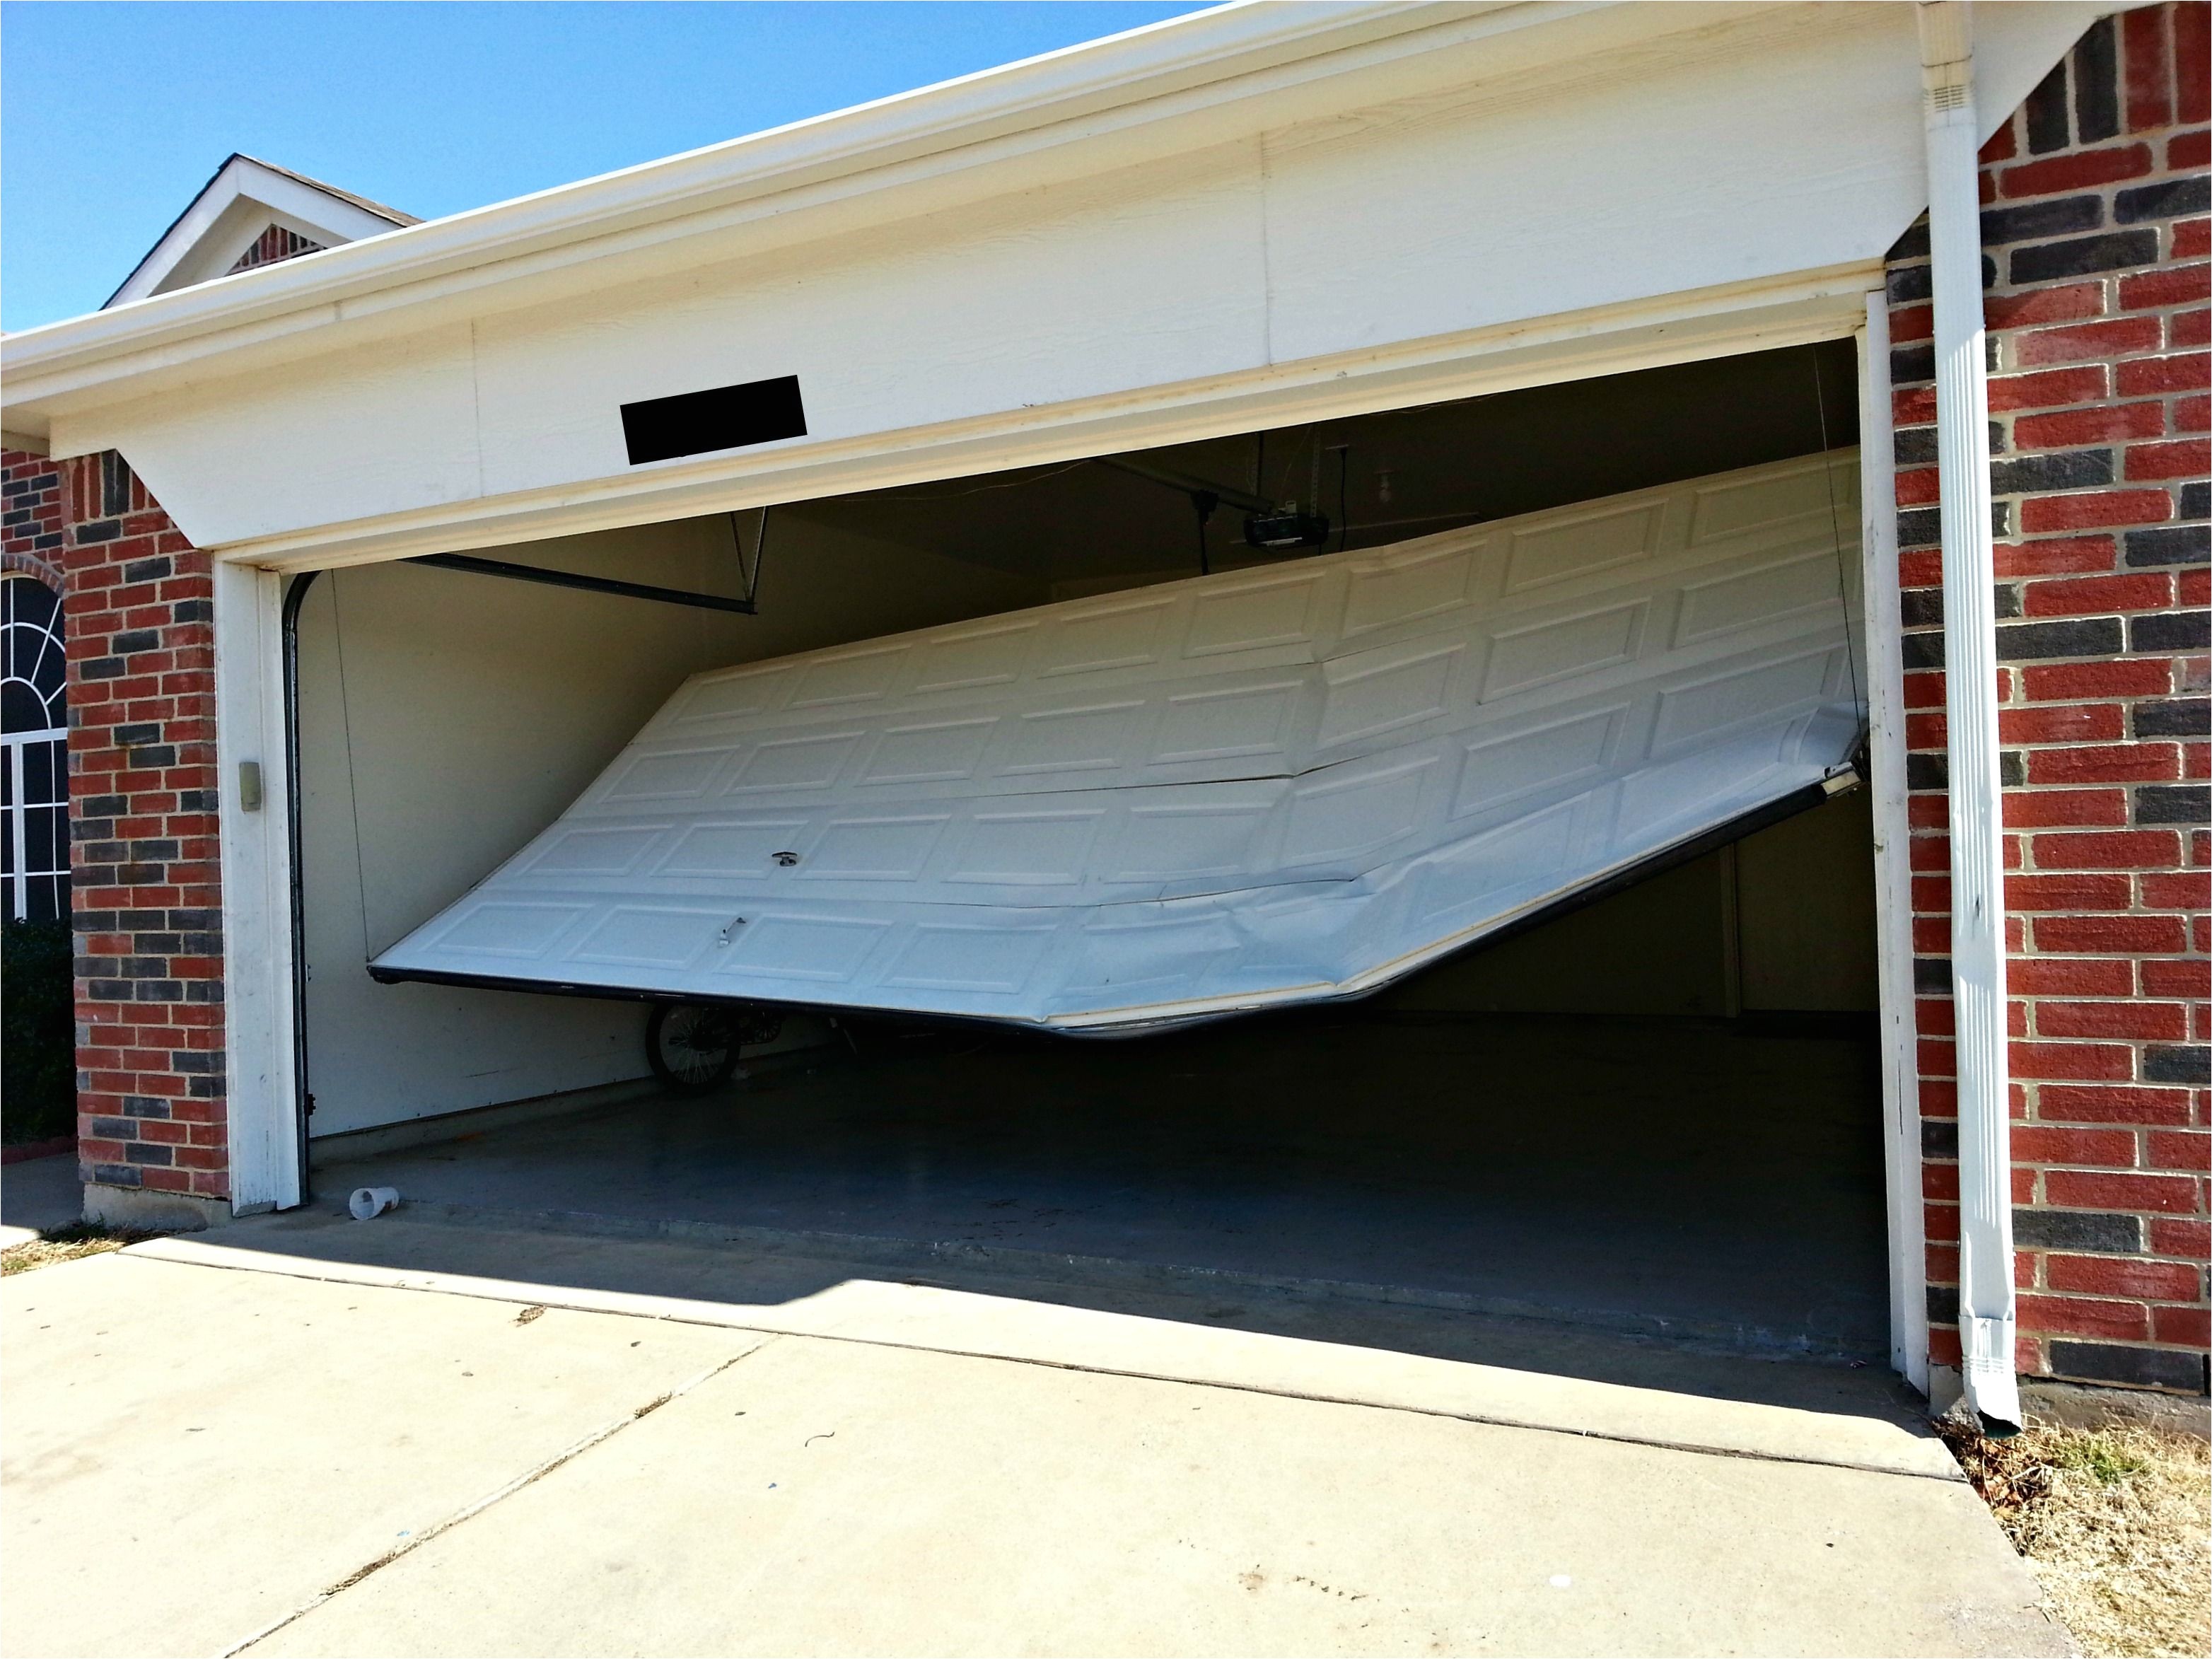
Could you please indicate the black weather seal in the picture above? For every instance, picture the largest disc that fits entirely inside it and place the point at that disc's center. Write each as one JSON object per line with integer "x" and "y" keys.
{"x": 303, "y": 1102}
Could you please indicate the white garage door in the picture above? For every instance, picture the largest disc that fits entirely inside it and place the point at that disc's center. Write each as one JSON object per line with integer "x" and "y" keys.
{"x": 1281, "y": 785}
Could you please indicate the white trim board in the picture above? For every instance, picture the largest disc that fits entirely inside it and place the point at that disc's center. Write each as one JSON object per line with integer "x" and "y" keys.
{"x": 1884, "y": 690}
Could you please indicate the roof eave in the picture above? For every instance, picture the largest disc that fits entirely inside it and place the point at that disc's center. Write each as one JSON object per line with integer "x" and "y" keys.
{"x": 1198, "y": 51}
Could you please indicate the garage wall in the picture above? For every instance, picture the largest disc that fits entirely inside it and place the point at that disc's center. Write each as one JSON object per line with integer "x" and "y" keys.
{"x": 1781, "y": 921}
{"x": 447, "y": 718}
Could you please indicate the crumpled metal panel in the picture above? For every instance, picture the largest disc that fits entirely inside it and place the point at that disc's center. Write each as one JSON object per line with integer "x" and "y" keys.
{"x": 1280, "y": 784}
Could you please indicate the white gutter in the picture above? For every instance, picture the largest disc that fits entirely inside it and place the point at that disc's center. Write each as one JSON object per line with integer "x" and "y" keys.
{"x": 1986, "y": 1304}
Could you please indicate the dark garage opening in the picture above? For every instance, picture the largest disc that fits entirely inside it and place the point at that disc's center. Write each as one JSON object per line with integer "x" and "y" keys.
{"x": 1658, "y": 1114}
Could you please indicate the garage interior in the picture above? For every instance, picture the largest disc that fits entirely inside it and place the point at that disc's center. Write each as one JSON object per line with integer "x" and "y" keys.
{"x": 1657, "y": 1113}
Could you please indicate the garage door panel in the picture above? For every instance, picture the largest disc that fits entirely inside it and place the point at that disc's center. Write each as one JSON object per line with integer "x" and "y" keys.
{"x": 1273, "y": 785}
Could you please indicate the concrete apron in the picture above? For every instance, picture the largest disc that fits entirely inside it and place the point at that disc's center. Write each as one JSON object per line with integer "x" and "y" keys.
{"x": 246, "y": 1434}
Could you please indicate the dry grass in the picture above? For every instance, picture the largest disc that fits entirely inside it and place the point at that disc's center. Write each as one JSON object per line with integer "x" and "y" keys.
{"x": 69, "y": 1243}
{"x": 2117, "y": 1524}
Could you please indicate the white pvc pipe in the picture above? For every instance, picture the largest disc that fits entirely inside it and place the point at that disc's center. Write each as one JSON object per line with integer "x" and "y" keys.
{"x": 1986, "y": 1305}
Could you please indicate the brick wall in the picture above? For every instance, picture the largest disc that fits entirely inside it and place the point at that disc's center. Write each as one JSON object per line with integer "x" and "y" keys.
{"x": 145, "y": 869}
{"x": 31, "y": 517}
{"x": 2094, "y": 229}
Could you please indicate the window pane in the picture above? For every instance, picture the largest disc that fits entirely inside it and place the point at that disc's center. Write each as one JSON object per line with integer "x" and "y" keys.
{"x": 46, "y": 776}
{"x": 49, "y": 899}
{"x": 46, "y": 850}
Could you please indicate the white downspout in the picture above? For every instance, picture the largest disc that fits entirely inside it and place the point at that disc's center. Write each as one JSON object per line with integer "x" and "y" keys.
{"x": 1986, "y": 1304}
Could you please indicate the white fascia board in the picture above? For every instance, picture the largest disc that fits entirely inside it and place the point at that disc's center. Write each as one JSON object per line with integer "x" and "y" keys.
{"x": 199, "y": 246}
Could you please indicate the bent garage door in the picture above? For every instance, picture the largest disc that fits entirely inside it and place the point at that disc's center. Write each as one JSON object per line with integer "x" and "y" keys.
{"x": 1287, "y": 784}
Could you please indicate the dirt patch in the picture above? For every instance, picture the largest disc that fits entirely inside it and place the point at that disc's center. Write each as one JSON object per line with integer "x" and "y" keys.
{"x": 66, "y": 1245}
{"x": 2116, "y": 1521}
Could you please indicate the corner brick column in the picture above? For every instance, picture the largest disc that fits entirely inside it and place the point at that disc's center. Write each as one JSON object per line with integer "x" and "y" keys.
{"x": 2097, "y": 275}
{"x": 145, "y": 867}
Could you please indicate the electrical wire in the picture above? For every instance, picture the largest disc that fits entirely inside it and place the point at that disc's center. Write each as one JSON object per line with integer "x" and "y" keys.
{"x": 1343, "y": 499}
{"x": 353, "y": 787}
{"x": 1836, "y": 528}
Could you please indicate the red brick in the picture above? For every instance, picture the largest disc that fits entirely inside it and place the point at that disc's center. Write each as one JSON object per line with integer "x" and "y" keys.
{"x": 2111, "y": 1275}
{"x": 2094, "y": 508}
{"x": 2147, "y": 1022}
{"x": 2190, "y": 1240}
{"x": 2185, "y": 150}
{"x": 2067, "y": 892}
{"x": 2148, "y": 84}
{"x": 1917, "y": 487}
{"x": 2143, "y": 678}
{"x": 2183, "y": 371}
{"x": 2189, "y": 329}
{"x": 2133, "y": 849}
{"x": 2188, "y": 978}
{"x": 2070, "y": 304}
{"x": 2190, "y": 458}
{"x": 2056, "y": 556}
{"x": 2078, "y": 977}
{"x": 2091, "y": 596}
{"x": 2192, "y": 1326}
{"x": 2179, "y": 889}
{"x": 2072, "y": 1315}
{"x": 2181, "y": 1150}
{"x": 2126, "y": 762}
{"x": 2075, "y": 1062}
{"x": 2077, "y": 171}
{"x": 2192, "y": 51}
{"x": 2053, "y": 388}
{"x": 2089, "y": 342}
{"x": 2111, "y": 1149}
{"x": 2114, "y": 935}
{"x": 2111, "y": 1189}
{"x": 2034, "y": 809}
{"x": 2168, "y": 285}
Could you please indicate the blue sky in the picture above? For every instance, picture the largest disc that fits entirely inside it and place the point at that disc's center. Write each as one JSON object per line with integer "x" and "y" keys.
{"x": 112, "y": 115}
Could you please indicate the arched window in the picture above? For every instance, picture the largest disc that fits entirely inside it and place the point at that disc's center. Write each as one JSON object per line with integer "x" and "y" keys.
{"x": 34, "y": 729}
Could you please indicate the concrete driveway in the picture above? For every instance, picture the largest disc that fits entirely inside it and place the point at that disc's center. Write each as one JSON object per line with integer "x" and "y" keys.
{"x": 308, "y": 1437}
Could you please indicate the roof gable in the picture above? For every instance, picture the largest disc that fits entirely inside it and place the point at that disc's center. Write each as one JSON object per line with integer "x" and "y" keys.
{"x": 251, "y": 213}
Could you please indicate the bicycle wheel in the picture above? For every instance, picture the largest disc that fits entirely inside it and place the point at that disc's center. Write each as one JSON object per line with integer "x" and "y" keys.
{"x": 692, "y": 1046}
